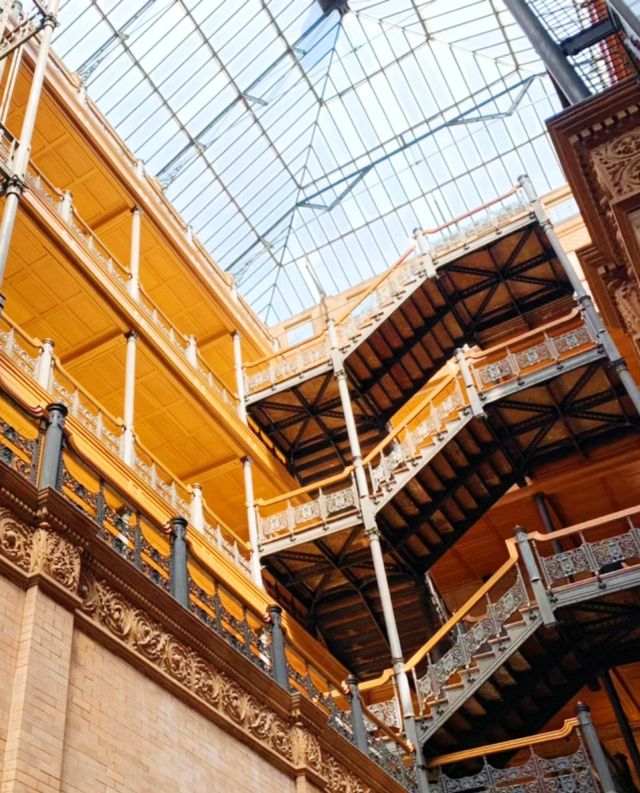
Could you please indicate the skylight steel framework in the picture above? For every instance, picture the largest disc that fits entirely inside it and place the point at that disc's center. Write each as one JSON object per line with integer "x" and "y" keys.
{"x": 290, "y": 136}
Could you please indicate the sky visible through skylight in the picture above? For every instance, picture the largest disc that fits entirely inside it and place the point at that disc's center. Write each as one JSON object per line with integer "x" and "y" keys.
{"x": 287, "y": 137}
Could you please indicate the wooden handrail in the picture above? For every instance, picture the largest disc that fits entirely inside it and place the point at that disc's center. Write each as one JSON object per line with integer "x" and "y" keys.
{"x": 505, "y": 746}
{"x": 393, "y": 736}
{"x": 469, "y": 213}
{"x": 585, "y": 526}
{"x": 453, "y": 621}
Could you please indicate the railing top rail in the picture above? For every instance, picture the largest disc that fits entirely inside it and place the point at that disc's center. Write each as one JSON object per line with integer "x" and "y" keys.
{"x": 505, "y": 746}
{"x": 33, "y": 341}
{"x": 470, "y": 213}
{"x": 585, "y": 526}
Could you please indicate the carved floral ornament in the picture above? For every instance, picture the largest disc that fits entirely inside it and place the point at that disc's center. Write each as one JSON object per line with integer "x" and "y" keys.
{"x": 40, "y": 551}
{"x": 43, "y": 550}
{"x": 617, "y": 165}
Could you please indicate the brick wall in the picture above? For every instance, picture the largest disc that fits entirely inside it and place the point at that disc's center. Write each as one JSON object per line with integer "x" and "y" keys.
{"x": 126, "y": 733}
{"x": 11, "y": 603}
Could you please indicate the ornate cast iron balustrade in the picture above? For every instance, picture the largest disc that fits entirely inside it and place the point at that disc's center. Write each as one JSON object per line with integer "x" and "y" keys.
{"x": 471, "y": 640}
{"x": 508, "y": 607}
{"x": 139, "y": 539}
{"x": 538, "y": 774}
{"x": 413, "y": 442}
{"x": 514, "y": 364}
{"x": 591, "y": 558}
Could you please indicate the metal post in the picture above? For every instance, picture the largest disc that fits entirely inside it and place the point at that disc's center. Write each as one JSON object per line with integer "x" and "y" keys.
{"x": 554, "y": 59}
{"x": 127, "y": 451}
{"x": 133, "y": 286}
{"x": 589, "y": 312}
{"x": 545, "y": 517}
{"x": 10, "y": 85}
{"x": 357, "y": 716}
{"x": 192, "y": 351}
{"x": 467, "y": 379}
{"x": 256, "y": 572}
{"x": 278, "y": 659}
{"x": 621, "y": 718}
{"x": 590, "y": 736}
{"x": 373, "y": 535}
{"x": 15, "y": 185}
{"x": 531, "y": 566}
{"x": 237, "y": 360}
{"x": 51, "y": 462}
{"x": 197, "y": 508}
{"x": 179, "y": 572}
{"x": 422, "y": 247}
{"x": 44, "y": 366}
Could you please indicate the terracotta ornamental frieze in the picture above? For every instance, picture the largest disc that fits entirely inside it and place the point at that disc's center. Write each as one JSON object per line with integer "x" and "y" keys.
{"x": 289, "y": 737}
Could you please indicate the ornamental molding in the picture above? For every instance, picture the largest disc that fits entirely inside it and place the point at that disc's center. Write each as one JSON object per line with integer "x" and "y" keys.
{"x": 617, "y": 165}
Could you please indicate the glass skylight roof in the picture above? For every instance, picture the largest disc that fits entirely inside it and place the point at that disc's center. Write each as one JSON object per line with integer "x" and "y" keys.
{"x": 290, "y": 137}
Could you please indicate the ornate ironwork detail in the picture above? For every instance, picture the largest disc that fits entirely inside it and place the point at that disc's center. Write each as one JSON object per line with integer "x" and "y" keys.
{"x": 592, "y": 557}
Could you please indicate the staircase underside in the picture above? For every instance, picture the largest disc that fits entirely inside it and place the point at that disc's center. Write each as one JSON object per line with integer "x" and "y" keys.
{"x": 545, "y": 673}
{"x": 509, "y": 285}
{"x": 332, "y": 577}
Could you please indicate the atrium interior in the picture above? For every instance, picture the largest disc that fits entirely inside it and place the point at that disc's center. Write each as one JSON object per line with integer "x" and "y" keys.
{"x": 320, "y": 405}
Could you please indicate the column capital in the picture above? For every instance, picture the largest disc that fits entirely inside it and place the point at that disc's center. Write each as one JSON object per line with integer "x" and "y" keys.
{"x": 131, "y": 335}
{"x": 136, "y": 210}
{"x": 247, "y": 460}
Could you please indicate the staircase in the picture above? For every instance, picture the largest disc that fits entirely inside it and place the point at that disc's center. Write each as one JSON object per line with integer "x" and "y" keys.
{"x": 526, "y": 642}
{"x": 492, "y": 417}
{"x": 479, "y": 286}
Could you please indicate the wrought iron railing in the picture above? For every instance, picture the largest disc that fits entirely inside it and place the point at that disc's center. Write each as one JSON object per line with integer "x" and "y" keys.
{"x": 26, "y": 353}
{"x": 386, "y": 291}
{"x": 508, "y": 593}
{"x": 558, "y": 761}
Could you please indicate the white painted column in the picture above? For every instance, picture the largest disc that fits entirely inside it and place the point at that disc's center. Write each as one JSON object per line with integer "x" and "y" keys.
{"x": 7, "y": 96}
{"x": 192, "y": 351}
{"x": 256, "y": 572}
{"x": 134, "y": 258}
{"x": 44, "y": 366}
{"x": 239, "y": 371}
{"x": 128, "y": 440}
{"x": 373, "y": 535}
{"x": 21, "y": 160}
{"x": 197, "y": 508}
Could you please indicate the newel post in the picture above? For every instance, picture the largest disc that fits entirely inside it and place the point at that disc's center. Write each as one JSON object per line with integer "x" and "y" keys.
{"x": 51, "y": 461}
{"x": 278, "y": 659}
{"x": 533, "y": 573}
{"x": 357, "y": 715}
{"x": 583, "y": 712}
{"x": 179, "y": 580}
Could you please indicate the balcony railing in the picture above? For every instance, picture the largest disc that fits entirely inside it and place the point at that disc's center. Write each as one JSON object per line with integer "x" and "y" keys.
{"x": 559, "y": 760}
{"x": 61, "y": 204}
{"x": 27, "y": 354}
